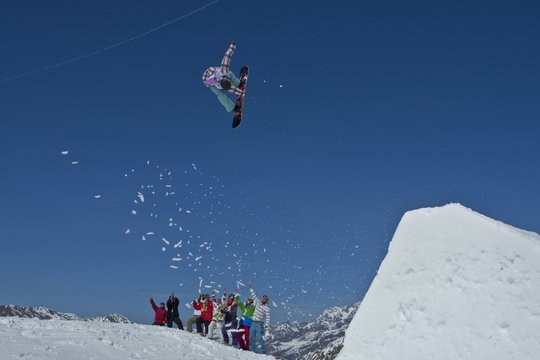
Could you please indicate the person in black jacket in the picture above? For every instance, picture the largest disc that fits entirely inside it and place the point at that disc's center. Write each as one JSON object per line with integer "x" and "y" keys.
{"x": 230, "y": 323}
{"x": 172, "y": 312}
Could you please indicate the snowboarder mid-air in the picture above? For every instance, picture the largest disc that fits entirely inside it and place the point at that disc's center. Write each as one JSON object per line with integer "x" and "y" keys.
{"x": 222, "y": 80}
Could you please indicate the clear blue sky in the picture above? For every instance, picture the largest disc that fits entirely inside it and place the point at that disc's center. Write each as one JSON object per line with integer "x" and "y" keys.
{"x": 356, "y": 113}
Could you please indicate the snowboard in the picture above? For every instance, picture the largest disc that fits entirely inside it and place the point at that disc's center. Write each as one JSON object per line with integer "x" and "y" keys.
{"x": 237, "y": 117}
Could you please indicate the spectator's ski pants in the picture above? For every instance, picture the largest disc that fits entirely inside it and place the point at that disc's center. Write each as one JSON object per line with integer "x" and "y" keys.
{"x": 177, "y": 321}
{"x": 256, "y": 337}
{"x": 193, "y": 320}
{"x": 224, "y": 331}
{"x": 244, "y": 344}
{"x": 214, "y": 325}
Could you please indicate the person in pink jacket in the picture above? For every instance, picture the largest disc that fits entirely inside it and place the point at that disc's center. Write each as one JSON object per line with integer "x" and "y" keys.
{"x": 160, "y": 317}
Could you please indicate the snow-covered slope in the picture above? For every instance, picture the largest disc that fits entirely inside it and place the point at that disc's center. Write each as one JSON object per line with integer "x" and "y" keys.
{"x": 320, "y": 339}
{"x": 22, "y": 338}
{"x": 454, "y": 285}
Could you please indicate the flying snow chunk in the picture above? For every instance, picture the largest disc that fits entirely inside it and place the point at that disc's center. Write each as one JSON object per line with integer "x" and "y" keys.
{"x": 274, "y": 303}
{"x": 74, "y": 162}
{"x": 140, "y": 196}
{"x": 97, "y": 196}
{"x": 194, "y": 167}
{"x": 65, "y": 152}
{"x": 198, "y": 258}
{"x": 173, "y": 267}
{"x": 165, "y": 241}
{"x": 134, "y": 212}
{"x": 127, "y": 231}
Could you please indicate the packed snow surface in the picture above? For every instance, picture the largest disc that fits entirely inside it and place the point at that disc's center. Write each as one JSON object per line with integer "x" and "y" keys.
{"x": 454, "y": 285}
{"x": 71, "y": 340}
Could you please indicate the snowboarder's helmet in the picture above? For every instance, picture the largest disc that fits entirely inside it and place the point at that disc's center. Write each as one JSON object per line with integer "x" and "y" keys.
{"x": 265, "y": 298}
{"x": 225, "y": 83}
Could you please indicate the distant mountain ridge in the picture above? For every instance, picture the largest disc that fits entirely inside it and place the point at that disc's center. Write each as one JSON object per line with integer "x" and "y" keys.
{"x": 44, "y": 313}
{"x": 321, "y": 339}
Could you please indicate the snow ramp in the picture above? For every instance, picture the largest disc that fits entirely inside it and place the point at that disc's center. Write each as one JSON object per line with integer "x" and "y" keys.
{"x": 454, "y": 285}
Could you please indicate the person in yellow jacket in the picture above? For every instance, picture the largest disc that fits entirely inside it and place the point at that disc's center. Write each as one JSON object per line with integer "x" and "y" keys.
{"x": 217, "y": 316}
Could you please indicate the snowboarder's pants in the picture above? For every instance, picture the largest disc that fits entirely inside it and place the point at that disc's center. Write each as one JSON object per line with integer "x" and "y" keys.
{"x": 177, "y": 321}
{"x": 222, "y": 94}
{"x": 244, "y": 344}
{"x": 224, "y": 331}
{"x": 256, "y": 337}
{"x": 214, "y": 325}
{"x": 192, "y": 320}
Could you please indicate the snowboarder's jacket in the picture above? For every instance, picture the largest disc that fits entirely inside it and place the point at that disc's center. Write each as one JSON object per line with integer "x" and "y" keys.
{"x": 212, "y": 75}
{"x": 161, "y": 314}
{"x": 262, "y": 311}
{"x": 247, "y": 312}
{"x": 172, "y": 307}
{"x": 207, "y": 310}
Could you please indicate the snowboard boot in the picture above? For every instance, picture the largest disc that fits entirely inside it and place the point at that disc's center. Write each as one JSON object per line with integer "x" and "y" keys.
{"x": 244, "y": 70}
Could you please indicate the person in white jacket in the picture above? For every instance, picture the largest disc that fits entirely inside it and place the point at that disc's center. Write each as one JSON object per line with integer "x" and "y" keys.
{"x": 217, "y": 315}
{"x": 196, "y": 315}
{"x": 261, "y": 323}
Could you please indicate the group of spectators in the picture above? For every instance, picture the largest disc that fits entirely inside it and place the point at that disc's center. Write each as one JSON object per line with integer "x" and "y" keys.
{"x": 221, "y": 319}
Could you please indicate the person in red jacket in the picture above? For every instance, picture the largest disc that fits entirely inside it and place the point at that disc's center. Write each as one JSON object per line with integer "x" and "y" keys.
{"x": 207, "y": 311}
{"x": 160, "y": 317}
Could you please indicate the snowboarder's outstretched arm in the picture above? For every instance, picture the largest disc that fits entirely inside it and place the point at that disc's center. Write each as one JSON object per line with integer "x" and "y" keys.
{"x": 226, "y": 62}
